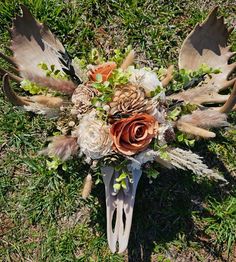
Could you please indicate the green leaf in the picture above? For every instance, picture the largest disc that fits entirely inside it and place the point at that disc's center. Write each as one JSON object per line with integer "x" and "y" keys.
{"x": 117, "y": 186}
{"x": 121, "y": 177}
{"x": 99, "y": 78}
{"x": 43, "y": 66}
{"x": 123, "y": 184}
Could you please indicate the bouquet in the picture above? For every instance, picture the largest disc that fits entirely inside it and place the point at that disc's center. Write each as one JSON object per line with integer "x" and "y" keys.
{"x": 118, "y": 116}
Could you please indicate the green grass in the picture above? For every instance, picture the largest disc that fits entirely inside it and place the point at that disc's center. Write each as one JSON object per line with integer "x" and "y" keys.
{"x": 176, "y": 218}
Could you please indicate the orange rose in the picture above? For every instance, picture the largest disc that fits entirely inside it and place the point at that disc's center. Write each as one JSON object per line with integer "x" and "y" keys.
{"x": 104, "y": 69}
{"x": 133, "y": 134}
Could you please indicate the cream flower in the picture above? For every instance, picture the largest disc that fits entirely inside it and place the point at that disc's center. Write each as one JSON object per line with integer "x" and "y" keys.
{"x": 145, "y": 79}
{"x": 93, "y": 137}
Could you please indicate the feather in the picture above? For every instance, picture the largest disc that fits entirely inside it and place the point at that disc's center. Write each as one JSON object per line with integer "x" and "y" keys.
{"x": 69, "y": 68}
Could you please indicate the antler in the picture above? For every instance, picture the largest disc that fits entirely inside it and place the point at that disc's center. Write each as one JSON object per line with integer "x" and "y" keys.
{"x": 33, "y": 43}
{"x": 39, "y": 104}
{"x": 207, "y": 44}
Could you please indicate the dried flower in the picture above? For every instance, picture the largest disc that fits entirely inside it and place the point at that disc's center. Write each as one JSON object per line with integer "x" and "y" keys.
{"x": 38, "y": 108}
{"x": 145, "y": 79}
{"x": 206, "y": 118}
{"x": 93, "y": 137}
{"x": 62, "y": 146}
{"x": 88, "y": 183}
{"x": 187, "y": 160}
{"x": 166, "y": 134}
{"x": 134, "y": 134}
{"x": 130, "y": 99}
{"x": 104, "y": 70}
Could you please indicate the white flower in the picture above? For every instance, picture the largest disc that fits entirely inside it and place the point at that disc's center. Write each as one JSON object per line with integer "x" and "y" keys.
{"x": 93, "y": 137}
{"x": 145, "y": 79}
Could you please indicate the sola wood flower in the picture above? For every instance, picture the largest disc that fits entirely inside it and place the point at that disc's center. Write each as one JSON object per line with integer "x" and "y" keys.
{"x": 130, "y": 99}
{"x": 134, "y": 134}
{"x": 104, "y": 70}
{"x": 93, "y": 137}
{"x": 81, "y": 99}
{"x": 145, "y": 79}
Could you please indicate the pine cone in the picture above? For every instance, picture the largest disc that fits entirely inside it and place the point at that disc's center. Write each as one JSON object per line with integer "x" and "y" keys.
{"x": 130, "y": 99}
{"x": 82, "y": 99}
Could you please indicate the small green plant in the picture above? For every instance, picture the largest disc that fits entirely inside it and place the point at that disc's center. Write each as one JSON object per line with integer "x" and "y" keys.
{"x": 222, "y": 223}
{"x": 121, "y": 181}
{"x": 33, "y": 88}
{"x": 183, "y": 138}
{"x": 51, "y": 71}
{"x": 184, "y": 79}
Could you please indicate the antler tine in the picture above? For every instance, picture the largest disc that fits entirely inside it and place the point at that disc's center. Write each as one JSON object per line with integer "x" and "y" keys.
{"x": 12, "y": 76}
{"x": 207, "y": 44}
{"x": 10, "y": 94}
{"x": 230, "y": 103}
{"x": 8, "y": 59}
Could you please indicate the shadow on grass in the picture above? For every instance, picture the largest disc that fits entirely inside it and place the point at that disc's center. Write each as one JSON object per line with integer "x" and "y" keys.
{"x": 163, "y": 210}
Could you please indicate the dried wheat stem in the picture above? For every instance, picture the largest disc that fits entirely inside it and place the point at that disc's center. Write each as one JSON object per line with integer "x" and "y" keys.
{"x": 193, "y": 130}
{"x": 88, "y": 182}
{"x": 129, "y": 60}
{"x": 169, "y": 76}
